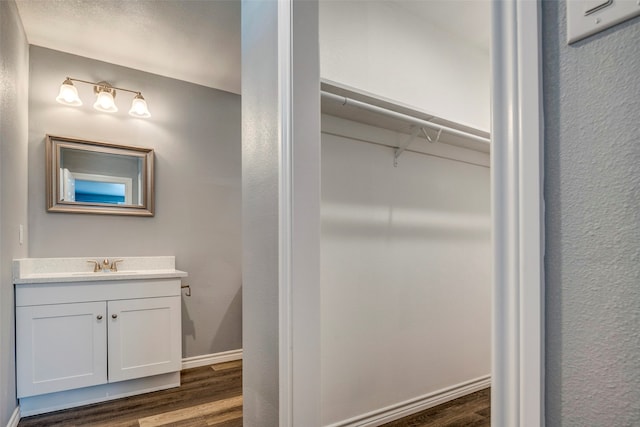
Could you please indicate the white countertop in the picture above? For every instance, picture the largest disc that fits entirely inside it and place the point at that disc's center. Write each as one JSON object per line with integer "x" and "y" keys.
{"x": 57, "y": 270}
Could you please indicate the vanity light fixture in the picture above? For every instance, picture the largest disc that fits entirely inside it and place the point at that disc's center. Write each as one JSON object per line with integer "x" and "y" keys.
{"x": 69, "y": 94}
{"x": 139, "y": 107}
{"x": 105, "y": 97}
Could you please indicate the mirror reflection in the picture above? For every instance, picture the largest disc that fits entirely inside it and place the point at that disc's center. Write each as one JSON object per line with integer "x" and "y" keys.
{"x": 94, "y": 177}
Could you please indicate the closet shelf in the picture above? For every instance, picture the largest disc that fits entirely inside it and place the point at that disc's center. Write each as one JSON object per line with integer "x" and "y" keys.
{"x": 370, "y": 110}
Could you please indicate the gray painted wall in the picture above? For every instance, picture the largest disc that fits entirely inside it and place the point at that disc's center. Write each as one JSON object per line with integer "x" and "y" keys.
{"x": 260, "y": 167}
{"x": 14, "y": 88}
{"x": 195, "y": 132}
{"x": 592, "y": 190}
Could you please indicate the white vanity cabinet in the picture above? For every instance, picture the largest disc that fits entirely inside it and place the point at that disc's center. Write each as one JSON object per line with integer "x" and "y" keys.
{"x": 96, "y": 338}
{"x": 144, "y": 337}
{"x": 60, "y": 347}
{"x": 71, "y": 345}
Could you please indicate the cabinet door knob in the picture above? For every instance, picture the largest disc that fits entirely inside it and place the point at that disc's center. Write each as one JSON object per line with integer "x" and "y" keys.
{"x": 114, "y": 316}
{"x": 99, "y": 316}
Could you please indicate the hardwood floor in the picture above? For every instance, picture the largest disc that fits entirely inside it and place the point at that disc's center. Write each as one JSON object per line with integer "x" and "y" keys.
{"x": 470, "y": 410}
{"x": 208, "y": 396}
{"x": 212, "y": 396}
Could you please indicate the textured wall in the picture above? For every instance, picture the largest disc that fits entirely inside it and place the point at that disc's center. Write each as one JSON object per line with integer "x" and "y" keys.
{"x": 14, "y": 88}
{"x": 260, "y": 167}
{"x": 195, "y": 132}
{"x": 592, "y": 190}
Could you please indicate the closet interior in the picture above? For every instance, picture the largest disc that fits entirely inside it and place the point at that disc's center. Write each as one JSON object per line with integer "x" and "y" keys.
{"x": 405, "y": 258}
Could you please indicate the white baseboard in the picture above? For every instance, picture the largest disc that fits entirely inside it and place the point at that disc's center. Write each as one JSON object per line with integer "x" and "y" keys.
{"x": 412, "y": 406}
{"x": 15, "y": 418}
{"x": 210, "y": 359}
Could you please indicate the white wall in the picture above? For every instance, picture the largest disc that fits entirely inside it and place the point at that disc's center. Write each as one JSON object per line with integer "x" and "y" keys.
{"x": 14, "y": 88}
{"x": 382, "y": 48}
{"x": 195, "y": 132}
{"x": 406, "y": 257}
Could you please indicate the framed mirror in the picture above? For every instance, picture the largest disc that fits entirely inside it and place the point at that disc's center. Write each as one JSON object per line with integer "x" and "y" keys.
{"x": 98, "y": 177}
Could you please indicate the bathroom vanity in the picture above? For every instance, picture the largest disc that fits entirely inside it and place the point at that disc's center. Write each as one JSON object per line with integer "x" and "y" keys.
{"x": 84, "y": 336}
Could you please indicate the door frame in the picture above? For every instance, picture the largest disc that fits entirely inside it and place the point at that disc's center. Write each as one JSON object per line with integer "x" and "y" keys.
{"x": 517, "y": 207}
{"x": 517, "y": 171}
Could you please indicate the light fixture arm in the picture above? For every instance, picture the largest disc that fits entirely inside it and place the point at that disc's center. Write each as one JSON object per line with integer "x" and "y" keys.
{"x": 103, "y": 84}
{"x": 105, "y": 94}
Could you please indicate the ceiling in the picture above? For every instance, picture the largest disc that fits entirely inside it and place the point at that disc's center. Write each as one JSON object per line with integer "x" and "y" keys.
{"x": 468, "y": 20}
{"x": 193, "y": 40}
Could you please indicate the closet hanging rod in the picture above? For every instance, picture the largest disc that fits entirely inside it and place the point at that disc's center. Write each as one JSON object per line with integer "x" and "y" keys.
{"x": 413, "y": 120}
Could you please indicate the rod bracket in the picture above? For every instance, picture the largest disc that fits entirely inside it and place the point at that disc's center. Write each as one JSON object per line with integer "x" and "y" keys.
{"x": 402, "y": 147}
{"x": 424, "y": 131}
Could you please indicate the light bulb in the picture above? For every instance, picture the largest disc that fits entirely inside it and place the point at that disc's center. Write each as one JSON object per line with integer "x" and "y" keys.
{"x": 105, "y": 102}
{"x": 68, "y": 94}
{"x": 139, "y": 107}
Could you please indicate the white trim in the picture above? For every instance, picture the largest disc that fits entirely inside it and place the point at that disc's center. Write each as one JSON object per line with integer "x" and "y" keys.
{"x": 299, "y": 213}
{"x": 531, "y": 217}
{"x": 285, "y": 208}
{"x": 211, "y": 359}
{"x": 412, "y": 406}
{"x": 518, "y": 219}
{"x": 15, "y": 418}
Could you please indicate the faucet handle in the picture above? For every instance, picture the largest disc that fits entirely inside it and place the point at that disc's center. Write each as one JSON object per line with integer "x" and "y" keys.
{"x": 96, "y": 265}
{"x": 114, "y": 264}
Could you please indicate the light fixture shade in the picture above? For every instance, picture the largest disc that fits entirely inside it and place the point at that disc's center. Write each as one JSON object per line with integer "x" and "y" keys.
{"x": 139, "y": 107}
{"x": 104, "y": 101}
{"x": 68, "y": 94}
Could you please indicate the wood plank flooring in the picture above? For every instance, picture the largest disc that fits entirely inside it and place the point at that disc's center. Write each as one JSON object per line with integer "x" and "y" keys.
{"x": 208, "y": 396}
{"x": 212, "y": 396}
{"x": 473, "y": 410}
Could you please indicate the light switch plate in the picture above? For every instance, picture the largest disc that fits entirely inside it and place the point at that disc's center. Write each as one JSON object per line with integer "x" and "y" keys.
{"x": 587, "y": 17}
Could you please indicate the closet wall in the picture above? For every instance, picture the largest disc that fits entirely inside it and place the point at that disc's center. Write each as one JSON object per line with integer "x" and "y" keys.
{"x": 389, "y": 49}
{"x": 406, "y": 250}
{"x": 406, "y": 255}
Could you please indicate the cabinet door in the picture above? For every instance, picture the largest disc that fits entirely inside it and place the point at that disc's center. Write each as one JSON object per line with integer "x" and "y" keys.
{"x": 144, "y": 337}
{"x": 60, "y": 347}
